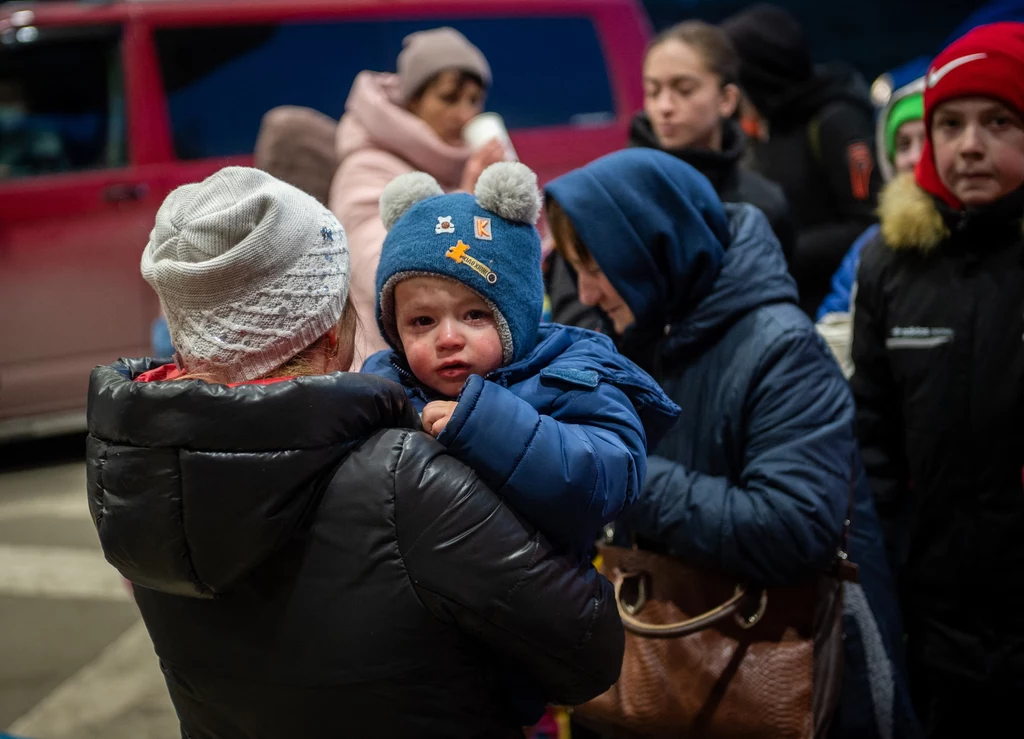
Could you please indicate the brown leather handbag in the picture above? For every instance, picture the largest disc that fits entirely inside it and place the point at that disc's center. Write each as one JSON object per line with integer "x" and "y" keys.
{"x": 706, "y": 657}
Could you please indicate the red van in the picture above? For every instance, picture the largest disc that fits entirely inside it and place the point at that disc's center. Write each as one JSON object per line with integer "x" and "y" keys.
{"x": 106, "y": 107}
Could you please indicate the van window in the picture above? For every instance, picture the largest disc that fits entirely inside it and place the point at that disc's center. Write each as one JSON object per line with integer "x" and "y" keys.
{"x": 61, "y": 100}
{"x": 221, "y": 80}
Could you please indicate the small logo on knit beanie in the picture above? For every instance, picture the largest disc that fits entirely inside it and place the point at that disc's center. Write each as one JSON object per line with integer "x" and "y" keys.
{"x": 327, "y": 234}
{"x": 935, "y": 75}
{"x": 444, "y": 225}
{"x": 458, "y": 254}
{"x": 482, "y": 228}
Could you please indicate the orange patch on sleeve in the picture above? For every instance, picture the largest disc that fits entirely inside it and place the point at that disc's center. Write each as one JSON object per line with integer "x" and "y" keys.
{"x": 858, "y": 155}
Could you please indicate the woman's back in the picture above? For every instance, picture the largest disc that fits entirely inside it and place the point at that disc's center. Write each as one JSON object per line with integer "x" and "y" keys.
{"x": 309, "y": 566}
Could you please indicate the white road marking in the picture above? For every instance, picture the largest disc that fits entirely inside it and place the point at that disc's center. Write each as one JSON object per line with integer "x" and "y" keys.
{"x": 56, "y": 492}
{"x": 70, "y": 508}
{"x": 124, "y": 675}
{"x": 119, "y": 695}
{"x": 55, "y": 572}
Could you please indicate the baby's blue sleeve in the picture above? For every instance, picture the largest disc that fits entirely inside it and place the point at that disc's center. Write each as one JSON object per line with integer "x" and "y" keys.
{"x": 569, "y": 470}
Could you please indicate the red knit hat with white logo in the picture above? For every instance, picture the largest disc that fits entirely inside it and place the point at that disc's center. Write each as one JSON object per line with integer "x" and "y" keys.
{"x": 985, "y": 62}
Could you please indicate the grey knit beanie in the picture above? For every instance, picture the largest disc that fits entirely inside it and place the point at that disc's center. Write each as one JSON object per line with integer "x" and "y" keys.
{"x": 426, "y": 53}
{"x": 249, "y": 270}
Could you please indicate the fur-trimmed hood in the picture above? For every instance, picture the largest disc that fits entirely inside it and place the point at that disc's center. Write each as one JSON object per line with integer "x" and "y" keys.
{"x": 913, "y": 219}
{"x": 909, "y": 216}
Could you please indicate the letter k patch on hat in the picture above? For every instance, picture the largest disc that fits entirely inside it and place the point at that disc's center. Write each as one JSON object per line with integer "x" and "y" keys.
{"x": 482, "y": 228}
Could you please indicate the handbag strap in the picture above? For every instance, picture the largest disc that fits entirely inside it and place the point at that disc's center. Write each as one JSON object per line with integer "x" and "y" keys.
{"x": 844, "y": 571}
{"x": 729, "y": 608}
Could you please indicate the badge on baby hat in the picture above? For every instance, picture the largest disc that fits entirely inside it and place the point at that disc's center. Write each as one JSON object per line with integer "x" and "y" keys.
{"x": 444, "y": 225}
{"x": 482, "y": 228}
{"x": 459, "y": 255}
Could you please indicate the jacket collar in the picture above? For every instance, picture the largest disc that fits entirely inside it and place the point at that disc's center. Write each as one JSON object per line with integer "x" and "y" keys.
{"x": 299, "y": 413}
{"x": 911, "y": 219}
{"x": 193, "y": 485}
{"x": 718, "y": 166}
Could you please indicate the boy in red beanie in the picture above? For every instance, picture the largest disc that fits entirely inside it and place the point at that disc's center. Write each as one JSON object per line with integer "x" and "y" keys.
{"x": 938, "y": 349}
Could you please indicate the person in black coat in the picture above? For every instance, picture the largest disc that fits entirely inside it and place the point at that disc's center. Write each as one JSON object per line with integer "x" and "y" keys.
{"x": 814, "y": 133}
{"x": 690, "y": 101}
{"x": 938, "y": 350}
{"x": 307, "y": 562}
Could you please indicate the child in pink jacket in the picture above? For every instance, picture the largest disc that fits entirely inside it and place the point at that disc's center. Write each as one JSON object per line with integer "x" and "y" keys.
{"x": 405, "y": 122}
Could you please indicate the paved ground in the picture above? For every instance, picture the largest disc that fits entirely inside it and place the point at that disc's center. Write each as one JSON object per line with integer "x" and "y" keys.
{"x": 75, "y": 661}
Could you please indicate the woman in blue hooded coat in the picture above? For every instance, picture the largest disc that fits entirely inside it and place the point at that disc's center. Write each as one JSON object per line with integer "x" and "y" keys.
{"x": 755, "y": 477}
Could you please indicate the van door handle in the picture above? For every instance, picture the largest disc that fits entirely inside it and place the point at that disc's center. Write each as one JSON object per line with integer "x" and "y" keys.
{"x": 125, "y": 192}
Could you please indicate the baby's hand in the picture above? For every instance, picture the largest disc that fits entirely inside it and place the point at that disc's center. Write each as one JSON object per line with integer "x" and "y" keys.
{"x": 436, "y": 416}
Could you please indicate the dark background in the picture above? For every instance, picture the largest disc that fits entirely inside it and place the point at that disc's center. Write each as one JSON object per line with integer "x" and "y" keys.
{"x": 873, "y": 36}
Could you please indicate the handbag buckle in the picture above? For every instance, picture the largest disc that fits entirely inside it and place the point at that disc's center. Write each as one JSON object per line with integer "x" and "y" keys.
{"x": 746, "y": 622}
{"x": 641, "y": 592}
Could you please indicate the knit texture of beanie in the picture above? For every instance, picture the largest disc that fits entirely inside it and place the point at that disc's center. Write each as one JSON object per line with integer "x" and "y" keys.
{"x": 774, "y": 55}
{"x": 427, "y": 53}
{"x": 249, "y": 271}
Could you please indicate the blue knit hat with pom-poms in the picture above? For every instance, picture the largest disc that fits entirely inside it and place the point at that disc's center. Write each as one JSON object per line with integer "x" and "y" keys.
{"x": 486, "y": 241}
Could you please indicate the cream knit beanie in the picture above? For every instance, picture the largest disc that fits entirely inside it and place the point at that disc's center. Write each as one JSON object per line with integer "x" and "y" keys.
{"x": 249, "y": 270}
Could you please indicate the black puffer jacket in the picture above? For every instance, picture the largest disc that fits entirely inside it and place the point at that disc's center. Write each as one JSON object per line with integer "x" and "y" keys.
{"x": 820, "y": 152}
{"x": 939, "y": 385}
{"x": 733, "y": 182}
{"x": 309, "y": 566}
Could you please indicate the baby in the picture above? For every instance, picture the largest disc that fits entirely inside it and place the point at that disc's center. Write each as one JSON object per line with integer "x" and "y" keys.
{"x": 553, "y": 418}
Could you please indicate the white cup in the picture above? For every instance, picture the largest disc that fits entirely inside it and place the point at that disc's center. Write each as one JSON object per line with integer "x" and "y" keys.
{"x": 483, "y": 129}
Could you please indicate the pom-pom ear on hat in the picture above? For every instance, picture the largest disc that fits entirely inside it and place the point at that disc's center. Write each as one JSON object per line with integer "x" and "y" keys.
{"x": 510, "y": 190}
{"x": 403, "y": 192}
{"x": 486, "y": 241}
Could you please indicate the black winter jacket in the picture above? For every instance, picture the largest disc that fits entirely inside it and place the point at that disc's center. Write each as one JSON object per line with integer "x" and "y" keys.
{"x": 733, "y": 182}
{"x": 309, "y": 566}
{"x": 820, "y": 152}
{"x": 939, "y": 353}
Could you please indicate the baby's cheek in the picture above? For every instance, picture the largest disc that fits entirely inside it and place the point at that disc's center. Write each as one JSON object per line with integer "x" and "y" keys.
{"x": 490, "y": 353}
{"x": 417, "y": 355}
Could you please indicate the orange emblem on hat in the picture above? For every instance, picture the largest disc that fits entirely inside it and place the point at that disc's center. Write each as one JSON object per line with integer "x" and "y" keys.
{"x": 457, "y": 252}
{"x": 482, "y": 228}
{"x": 459, "y": 255}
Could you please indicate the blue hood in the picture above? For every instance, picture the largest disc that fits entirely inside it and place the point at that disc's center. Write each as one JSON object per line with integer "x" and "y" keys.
{"x": 675, "y": 254}
{"x": 655, "y": 226}
{"x": 754, "y": 273}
